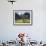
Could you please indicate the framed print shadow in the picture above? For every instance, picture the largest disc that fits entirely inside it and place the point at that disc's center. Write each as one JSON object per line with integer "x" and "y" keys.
{"x": 22, "y": 17}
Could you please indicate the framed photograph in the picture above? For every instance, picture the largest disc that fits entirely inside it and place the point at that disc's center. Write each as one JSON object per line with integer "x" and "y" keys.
{"x": 22, "y": 17}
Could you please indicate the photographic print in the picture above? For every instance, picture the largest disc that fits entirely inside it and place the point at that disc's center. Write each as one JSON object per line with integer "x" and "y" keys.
{"x": 22, "y": 17}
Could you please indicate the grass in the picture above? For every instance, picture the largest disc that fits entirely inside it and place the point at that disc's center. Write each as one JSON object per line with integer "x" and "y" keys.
{"x": 22, "y": 21}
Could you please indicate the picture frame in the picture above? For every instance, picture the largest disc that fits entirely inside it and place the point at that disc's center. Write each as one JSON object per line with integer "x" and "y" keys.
{"x": 22, "y": 17}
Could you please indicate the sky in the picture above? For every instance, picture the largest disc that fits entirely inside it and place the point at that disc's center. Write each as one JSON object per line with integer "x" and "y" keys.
{"x": 22, "y": 12}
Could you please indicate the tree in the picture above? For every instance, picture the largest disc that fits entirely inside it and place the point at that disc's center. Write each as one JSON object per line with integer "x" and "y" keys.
{"x": 27, "y": 15}
{"x": 17, "y": 16}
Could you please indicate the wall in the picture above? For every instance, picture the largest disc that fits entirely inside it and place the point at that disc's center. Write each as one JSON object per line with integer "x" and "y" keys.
{"x": 9, "y": 31}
